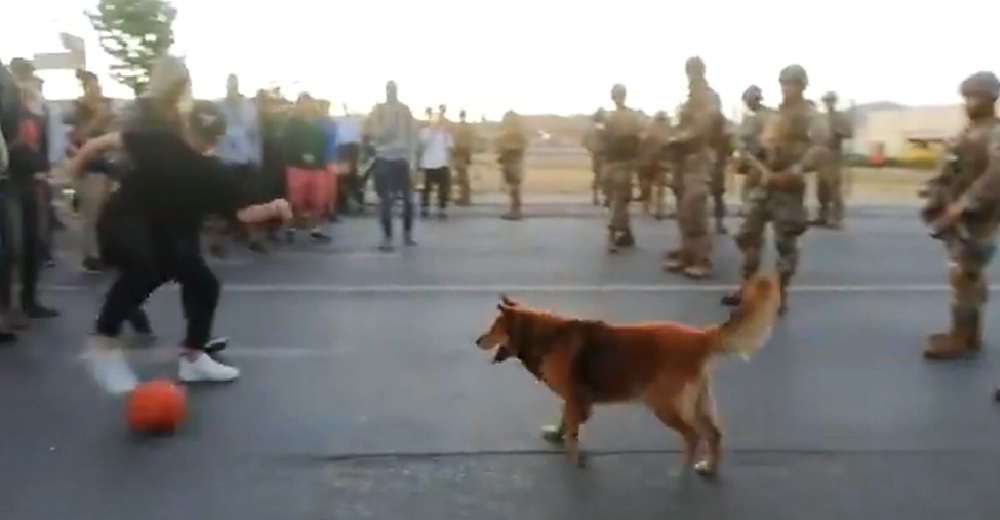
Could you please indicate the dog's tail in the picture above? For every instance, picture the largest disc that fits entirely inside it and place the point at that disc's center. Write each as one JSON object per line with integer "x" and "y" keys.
{"x": 749, "y": 326}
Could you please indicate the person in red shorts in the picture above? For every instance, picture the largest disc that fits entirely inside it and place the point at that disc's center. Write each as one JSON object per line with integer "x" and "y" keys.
{"x": 304, "y": 146}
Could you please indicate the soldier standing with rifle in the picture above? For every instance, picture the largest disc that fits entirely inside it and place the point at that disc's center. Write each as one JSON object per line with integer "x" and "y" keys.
{"x": 791, "y": 143}
{"x": 654, "y": 163}
{"x": 963, "y": 211}
{"x": 465, "y": 144}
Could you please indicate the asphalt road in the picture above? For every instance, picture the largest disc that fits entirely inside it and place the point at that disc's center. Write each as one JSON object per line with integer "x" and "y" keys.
{"x": 364, "y": 397}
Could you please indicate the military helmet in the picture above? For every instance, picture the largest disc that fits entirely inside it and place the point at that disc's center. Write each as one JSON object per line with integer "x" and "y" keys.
{"x": 983, "y": 83}
{"x": 618, "y": 90}
{"x": 752, "y": 92}
{"x": 694, "y": 65}
{"x": 599, "y": 115}
{"x": 794, "y": 74}
{"x": 660, "y": 116}
{"x": 830, "y": 96}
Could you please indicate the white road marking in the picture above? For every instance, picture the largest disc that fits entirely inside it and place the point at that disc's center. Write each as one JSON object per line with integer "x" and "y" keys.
{"x": 533, "y": 288}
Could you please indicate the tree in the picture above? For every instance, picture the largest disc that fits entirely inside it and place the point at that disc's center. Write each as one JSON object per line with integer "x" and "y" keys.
{"x": 135, "y": 33}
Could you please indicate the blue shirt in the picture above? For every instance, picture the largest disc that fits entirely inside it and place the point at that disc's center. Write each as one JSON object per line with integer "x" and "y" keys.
{"x": 241, "y": 144}
{"x": 330, "y": 131}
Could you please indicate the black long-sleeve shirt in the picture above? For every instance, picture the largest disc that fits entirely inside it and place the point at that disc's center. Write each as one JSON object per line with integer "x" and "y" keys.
{"x": 172, "y": 184}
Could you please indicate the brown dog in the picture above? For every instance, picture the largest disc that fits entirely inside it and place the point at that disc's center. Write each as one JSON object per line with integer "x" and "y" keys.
{"x": 666, "y": 365}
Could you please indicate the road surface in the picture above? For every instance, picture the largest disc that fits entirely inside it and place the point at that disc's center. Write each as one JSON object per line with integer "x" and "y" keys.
{"x": 364, "y": 397}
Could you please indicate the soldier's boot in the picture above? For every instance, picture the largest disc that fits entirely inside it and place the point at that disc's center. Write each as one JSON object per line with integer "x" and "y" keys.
{"x": 676, "y": 260}
{"x": 612, "y": 241}
{"x": 625, "y": 239}
{"x": 784, "y": 280}
{"x": 515, "y": 205}
{"x": 836, "y": 217}
{"x": 699, "y": 261}
{"x": 963, "y": 339}
{"x": 720, "y": 226}
{"x": 822, "y": 216}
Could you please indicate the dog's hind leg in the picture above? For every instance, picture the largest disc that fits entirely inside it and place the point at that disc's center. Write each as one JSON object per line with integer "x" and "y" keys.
{"x": 555, "y": 433}
{"x": 706, "y": 417}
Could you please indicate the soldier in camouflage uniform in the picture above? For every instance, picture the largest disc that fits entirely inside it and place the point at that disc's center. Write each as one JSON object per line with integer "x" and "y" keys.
{"x": 830, "y": 178}
{"x": 722, "y": 148}
{"x": 692, "y": 143}
{"x": 963, "y": 210}
{"x": 620, "y": 144}
{"x": 465, "y": 145}
{"x": 792, "y": 143}
{"x": 747, "y": 141}
{"x": 510, "y": 146}
{"x": 592, "y": 143}
{"x": 654, "y": 163}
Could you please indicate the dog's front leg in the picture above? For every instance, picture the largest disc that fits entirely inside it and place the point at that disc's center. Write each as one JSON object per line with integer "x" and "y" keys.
{"x": 555, "y": 433}
{"x": 574, "y": 415}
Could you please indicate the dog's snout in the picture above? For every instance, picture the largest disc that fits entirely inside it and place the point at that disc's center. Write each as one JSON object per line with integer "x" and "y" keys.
{"x": 480, "y": 340}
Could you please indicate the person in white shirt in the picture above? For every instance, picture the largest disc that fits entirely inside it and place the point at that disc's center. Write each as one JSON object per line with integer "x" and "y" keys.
{"x": 436, "y": 144}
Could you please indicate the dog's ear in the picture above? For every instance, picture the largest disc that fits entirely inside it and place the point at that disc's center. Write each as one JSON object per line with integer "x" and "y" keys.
{"x": 506, "y": 300}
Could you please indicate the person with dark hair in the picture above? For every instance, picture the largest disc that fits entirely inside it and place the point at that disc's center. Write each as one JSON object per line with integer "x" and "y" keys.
{"x": 391, "y": 131}
{"x": 305, "y": 146}
{"x": 150, "y": 231}
{"x": 25, "y": 124}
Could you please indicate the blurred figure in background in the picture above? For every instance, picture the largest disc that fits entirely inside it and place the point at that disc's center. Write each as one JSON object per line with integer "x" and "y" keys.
{"x": 304, "y": 147}
{"x": 464, "y": 137}
{"x": 434, "y": 155}
{"x": 91, "y": 116}
{"x": 391, "y": 131}
{"x": 240, "y": 148}
{"x": 330, "y": 130}
{"x": 26, "y": 127}
{"x": 272, "y": 121}
{"x": 7, "y": 103}
{"x": 351, "y": 187}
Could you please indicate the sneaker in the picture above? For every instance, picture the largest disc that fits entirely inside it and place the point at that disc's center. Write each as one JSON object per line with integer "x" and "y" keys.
{"x": 108, "y": 366}
{"x": 386, "y": 245}
{"x": 408, "y": 240}
{"x": 319, "y": 237}
{"x": 205, "y": 369}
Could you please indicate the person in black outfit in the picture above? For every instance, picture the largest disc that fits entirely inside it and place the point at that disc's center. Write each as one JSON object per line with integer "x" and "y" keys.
{"x": 149, "y": 231}
{"x": 25, "y": 124}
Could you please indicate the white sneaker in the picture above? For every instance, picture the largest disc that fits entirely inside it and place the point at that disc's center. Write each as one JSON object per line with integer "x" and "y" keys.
{"x": 108, "y": 366}
{"x": 205, "y": 369}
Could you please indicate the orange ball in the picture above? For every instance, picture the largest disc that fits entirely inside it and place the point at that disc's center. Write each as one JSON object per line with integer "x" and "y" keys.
{"x": 156, "y": 407}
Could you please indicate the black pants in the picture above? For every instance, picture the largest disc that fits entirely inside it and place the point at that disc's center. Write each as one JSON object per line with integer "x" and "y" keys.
{"x": 22, "y": 209}
{"x": 351, "y": 185}
{"x": 147, "y": 256}
{"x": 439, "y": 178}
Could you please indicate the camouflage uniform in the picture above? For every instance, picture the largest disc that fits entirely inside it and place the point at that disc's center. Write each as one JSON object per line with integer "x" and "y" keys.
{"x": 620, "y": 144}
{"x": 510, "y": 146}
{"x": 968, "y": 188}
{"x": 829, "y": 184}
{"x": 692, "y": 142}
{"x": 722, "y": 149}
{"x": 654, "y": 163}
{"x": 592, "y": 143}
{"x": 465, "y": 145}
{"x": 746, "y": 140}
{"x": 791, "y": 144}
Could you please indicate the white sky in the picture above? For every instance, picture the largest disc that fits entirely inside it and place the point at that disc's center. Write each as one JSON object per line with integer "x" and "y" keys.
{"x": 552, "y": 56}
